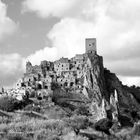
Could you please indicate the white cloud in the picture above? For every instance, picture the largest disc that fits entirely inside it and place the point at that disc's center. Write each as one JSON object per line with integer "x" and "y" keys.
{"x": 45, "y": 8}
{"x": 10, "y": 63}
{"x": 115, "y": 24}
{"x": 7, "y": 26}
{"x": 44, "y": 54}
{"x": 130, "y": 80}
{"x": 125, "y": 67}
{"x": 68, "y": 36}
{"x": 11, "y": 68}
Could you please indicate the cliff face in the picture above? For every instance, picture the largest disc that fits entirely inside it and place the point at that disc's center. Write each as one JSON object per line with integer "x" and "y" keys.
{"x": 100, "y": 85}
{"x": 94, "y": 84}
{"x": 94, "y": 90}
{"x": 89, "y": 82}
{"x": 125, "y": 96}
{"x": 94, "y": 77}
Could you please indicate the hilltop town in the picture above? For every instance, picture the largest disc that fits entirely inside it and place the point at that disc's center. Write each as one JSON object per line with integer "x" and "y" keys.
{"x": 78, "y": 86}
{"x": 66, "y": 72}
{"x": 82, "y": 77}
{"x": 71, "y": 76}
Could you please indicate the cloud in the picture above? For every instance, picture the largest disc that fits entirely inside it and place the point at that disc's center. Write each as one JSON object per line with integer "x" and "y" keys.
{"x": 130, "y": 80}
{"x": 68, "y": 36}
{"x": 45, "y": 8}
{"x": 7, "y": 26}
{"x": 125, "y": 67}
{"x": 115, "y": 24}
{"x": 44, "y": 54}
{"x": 11, "y": 68}
{"x": 10, "y": 64}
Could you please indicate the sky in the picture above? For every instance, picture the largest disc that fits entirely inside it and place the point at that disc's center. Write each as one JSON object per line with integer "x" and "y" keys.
{"x": 36, "y": 30}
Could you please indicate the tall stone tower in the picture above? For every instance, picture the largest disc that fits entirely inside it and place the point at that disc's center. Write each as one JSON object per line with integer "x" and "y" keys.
{"x": 90, "y": 44}
{"x": 28, "y": 67}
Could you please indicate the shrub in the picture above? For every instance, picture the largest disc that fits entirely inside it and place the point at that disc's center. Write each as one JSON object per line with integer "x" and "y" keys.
{"x": 5, "y": 120}
{"x": 15, "y": 137}
{"x": 103, "y": 125}
{"x": 136, "y": 129}
{"x": 8, "y": 103}
{"x": 24, "y": 103}
{"x": 77, "y": 122}
{"x": 30, "y": 107}
{"x": 82, "y": 110}
{"x": 73, "y": 136}
{"x": 56, "y": 112}
{"x": 125, "y": 121}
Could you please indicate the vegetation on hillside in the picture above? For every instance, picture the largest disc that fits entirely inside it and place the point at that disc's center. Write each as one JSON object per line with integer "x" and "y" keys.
{"x": 59, "y": 124}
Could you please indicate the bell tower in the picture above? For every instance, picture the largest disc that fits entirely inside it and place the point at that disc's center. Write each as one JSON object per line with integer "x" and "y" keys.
{"x": 90, "y": 44}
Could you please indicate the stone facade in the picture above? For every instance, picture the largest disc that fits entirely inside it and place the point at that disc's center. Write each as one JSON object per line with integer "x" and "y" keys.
{"x": 61, "y": 65}
{"x": 83, "y": 76}
{"x": 91, "y": 45}
{"x": 67, "y": 72}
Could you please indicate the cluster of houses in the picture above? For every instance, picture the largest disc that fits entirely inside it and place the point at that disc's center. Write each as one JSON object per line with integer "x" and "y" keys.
{"x": 66, "y": 72}
{"x": 69, "y": 74}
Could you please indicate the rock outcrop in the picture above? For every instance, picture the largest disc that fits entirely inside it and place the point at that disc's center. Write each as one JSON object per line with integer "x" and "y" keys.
{"x": 82, "y": 78}
{"x": 94, "y": 87}
{"x": 126, "y": 99}
{"x": 106, "y": 92}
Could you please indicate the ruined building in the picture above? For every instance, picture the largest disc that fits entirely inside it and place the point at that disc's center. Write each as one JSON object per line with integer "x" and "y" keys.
{"x": 66, "y": 72}
{"x": 83, "y": 74}
{"x": 81, "y": 77}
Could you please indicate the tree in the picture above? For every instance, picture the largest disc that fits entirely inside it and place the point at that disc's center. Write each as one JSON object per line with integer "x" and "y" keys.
{"x": 103, "y": 125}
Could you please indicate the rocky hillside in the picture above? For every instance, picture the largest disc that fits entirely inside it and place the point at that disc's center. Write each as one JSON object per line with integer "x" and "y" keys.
{"x": 103, "y": 94}
{"x": 101, "y": 104}
{"x": 99, "y": 84}
{"x": 127, "y": 96}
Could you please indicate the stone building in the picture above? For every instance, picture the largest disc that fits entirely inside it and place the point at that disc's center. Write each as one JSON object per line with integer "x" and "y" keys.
{"x": 91, "y": 45}
{"x": 67, "y": 79}
{"x": 66, "y": 72}
{"x": 77, "y": 62}
{"x": 61, "y": 65}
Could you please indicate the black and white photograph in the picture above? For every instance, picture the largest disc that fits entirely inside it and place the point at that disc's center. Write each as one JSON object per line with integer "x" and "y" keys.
{"x": 69, "y": 69}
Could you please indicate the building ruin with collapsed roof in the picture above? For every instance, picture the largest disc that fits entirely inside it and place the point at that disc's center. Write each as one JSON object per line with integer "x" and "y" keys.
{"x": 66, "y": 72}
{"x": 75, "y": 75}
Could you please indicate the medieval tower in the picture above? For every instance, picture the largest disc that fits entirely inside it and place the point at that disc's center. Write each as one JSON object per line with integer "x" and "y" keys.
{"x": 90, "y": 44}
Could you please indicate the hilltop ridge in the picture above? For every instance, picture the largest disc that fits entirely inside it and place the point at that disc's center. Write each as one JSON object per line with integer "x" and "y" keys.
{"x": 85, "y": 78}
{"x": 79, "y": 92}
